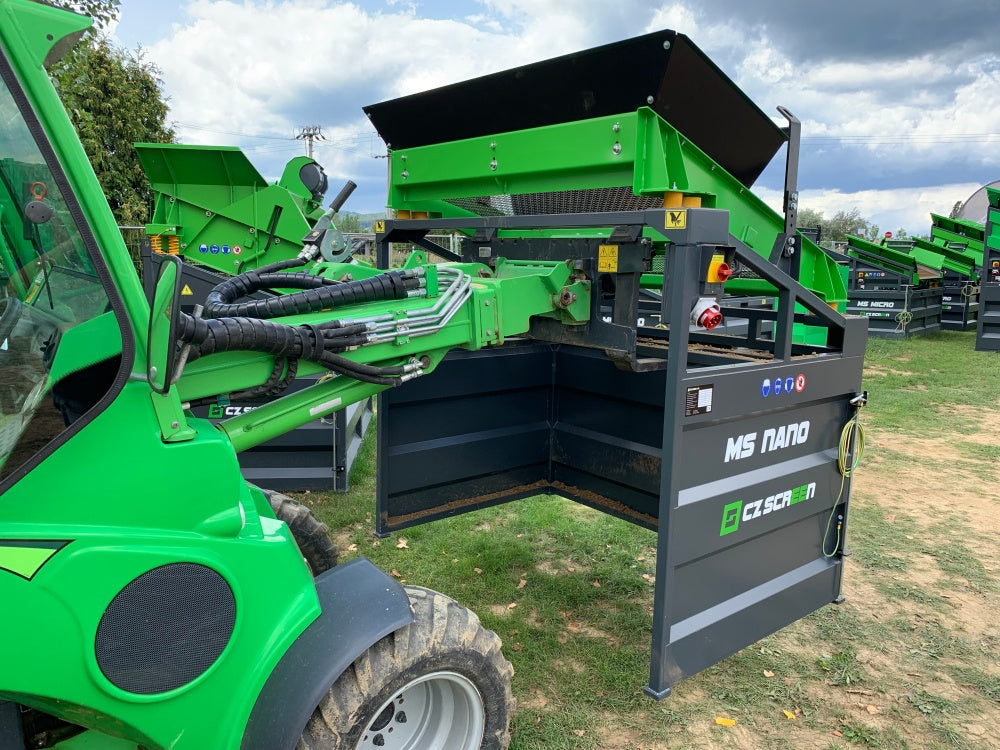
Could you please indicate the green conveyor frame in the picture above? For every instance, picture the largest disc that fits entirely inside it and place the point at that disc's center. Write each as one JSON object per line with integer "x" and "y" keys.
{"x": 959, "y": 233}
{"x": 939, "y": 257}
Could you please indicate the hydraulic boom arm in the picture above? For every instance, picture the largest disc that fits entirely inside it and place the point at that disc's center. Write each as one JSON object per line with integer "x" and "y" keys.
{"x": 371, "y": 330}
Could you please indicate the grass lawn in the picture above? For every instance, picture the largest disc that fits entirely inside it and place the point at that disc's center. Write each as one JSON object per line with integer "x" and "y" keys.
{"x": 910, "y": 660}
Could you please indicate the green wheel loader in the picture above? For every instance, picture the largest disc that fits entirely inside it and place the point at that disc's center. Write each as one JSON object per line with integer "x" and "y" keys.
{"x": 159, "y": 602}
{"x": 154, "y": 599}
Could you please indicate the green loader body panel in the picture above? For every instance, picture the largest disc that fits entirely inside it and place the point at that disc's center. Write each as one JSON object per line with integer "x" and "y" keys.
{"x": 117, "y": 508}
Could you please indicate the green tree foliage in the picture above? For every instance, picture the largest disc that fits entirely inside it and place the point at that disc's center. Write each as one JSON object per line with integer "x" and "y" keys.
{"x": 350, "y": 223}
{"x": 114, "y": 98}
{"x": 841, "y": 224}
{"x": 953, "y": 214}
{"x": 102, "y": 11}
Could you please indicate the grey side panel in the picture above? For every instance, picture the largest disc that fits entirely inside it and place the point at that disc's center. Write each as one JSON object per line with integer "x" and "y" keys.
{"x": 988, "y": 324}
{"x": 959, "y": 304}
{"x": 475, "y": 434}
{"x": 361, "y": 605}
{"x": 597, "y": 438}
{"x": 749, "y": 538}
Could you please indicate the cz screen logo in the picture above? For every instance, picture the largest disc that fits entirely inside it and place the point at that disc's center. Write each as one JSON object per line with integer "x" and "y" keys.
{"x": 731, "y": 518}
{"x": 738, "y": 511}
{"x": 217, "y": 411}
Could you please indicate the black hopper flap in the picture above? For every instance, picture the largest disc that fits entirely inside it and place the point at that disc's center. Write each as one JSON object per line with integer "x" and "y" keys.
{"x": 687, "y": 90}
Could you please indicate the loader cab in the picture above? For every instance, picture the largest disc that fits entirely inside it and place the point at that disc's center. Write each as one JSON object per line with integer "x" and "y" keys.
{"x": 60, "y": 339}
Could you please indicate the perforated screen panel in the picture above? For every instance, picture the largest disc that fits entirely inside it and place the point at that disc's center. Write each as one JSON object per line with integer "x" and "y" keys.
{"x": 165, "y": 628}
{"x": 559, "y": 202}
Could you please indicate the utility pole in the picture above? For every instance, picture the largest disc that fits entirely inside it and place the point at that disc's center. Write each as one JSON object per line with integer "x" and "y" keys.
{"x": 310, "y": 134}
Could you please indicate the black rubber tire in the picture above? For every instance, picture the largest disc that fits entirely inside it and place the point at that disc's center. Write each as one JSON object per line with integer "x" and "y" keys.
{"x": 312, "y": 536}
{"x": 445, "y": 639}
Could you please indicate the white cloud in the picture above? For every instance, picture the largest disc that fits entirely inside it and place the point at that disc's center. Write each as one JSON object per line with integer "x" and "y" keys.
{"x": 271, "y": 66}
{"x": 899, "y": 208}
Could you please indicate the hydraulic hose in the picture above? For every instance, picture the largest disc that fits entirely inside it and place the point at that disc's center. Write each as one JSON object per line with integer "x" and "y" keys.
{"x": 319, "y": 293}
{"x": 283, "y": 265}
{"x": 229, "y": 325}
{"x": 311, "y": 342}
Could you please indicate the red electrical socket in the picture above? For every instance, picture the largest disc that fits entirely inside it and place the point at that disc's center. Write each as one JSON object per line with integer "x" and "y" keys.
{"x": 706, "y": 313}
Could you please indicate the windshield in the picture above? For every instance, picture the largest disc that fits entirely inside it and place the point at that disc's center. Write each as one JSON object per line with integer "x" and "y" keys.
{"x": 48, "y": 286}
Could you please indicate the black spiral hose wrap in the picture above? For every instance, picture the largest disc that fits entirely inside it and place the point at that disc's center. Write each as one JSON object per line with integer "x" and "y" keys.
{"x": 229, "y": 325}
{"x": 319, "y": 293}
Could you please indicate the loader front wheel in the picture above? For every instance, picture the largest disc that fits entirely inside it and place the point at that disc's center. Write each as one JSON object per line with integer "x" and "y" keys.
{"x": 312, "y": 536}
{"x": 440, "y": 683}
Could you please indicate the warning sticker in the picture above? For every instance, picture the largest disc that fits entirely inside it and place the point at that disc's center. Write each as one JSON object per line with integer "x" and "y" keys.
{"x": 677, "y": 219}
{"x": 698, "y": 399}
{"x": 379, "y": 226}
{"x": 186, "y": 291}
{"x": 607, "y": 258}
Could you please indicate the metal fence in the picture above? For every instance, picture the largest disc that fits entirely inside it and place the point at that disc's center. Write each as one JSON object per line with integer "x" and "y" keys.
{"x": 133, "y": 237}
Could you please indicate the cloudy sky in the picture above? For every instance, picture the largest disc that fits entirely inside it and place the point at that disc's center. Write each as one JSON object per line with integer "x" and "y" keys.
{"x": 899, "y": 100}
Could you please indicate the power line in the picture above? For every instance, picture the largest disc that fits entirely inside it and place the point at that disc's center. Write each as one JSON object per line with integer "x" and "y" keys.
{"x": 311, "y": 134}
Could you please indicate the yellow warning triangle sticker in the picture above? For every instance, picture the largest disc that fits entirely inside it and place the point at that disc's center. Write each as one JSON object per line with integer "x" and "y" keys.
{"x": 186, "y": 291}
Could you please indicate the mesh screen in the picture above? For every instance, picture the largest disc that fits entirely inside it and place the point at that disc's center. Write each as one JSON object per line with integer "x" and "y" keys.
{"x": 741, "y": 271}
{"x": 560, "y": 202}
{"x": 165, "y": 628}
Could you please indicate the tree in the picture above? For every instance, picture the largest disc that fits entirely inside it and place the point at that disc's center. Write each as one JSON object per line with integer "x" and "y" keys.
{"x": 102, "y": 11}
{"x": 842, "y": 223}
{"x": 114, "y": 98}
{"x": 350, "y": 223}
{"x": 956, "y": 209}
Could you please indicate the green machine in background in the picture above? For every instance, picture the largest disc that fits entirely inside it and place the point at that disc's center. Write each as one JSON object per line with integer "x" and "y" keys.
{"x": 899, "y": 294}
{"x": 959, "y": 266}
{"x": 213, "y": 207}
{"x": 959, "y": 234}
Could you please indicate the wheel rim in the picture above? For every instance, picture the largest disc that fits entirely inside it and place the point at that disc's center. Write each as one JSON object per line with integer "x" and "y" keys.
{"x": 438, "y": 711}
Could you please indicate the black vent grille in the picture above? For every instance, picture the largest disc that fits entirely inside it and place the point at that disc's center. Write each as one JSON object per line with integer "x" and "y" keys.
{"x": 165, "y": 628}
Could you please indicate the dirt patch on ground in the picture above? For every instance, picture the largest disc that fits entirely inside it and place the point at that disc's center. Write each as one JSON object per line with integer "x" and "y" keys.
{"x": 936, "y": 477}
